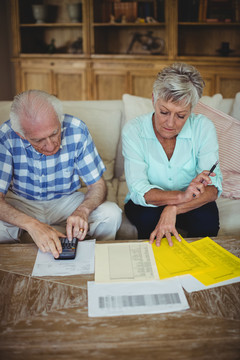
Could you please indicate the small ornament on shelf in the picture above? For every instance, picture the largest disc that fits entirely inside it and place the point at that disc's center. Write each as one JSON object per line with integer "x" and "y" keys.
{"x": 76, "y": 47}
{"x": 146, "y": 43}
{"x": 140, "y": 20}
{"x": 74, "y": 12}
{"x": 150, "y": 20}
{"x": 51, "y": 48}
{"x": 225, "y": 49}
{"x": 112, "y": 19}
{"x": 39, "y": 13}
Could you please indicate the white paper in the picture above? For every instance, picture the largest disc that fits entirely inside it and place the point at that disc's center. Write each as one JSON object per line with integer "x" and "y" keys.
{"x": 190, "y": 283}
{"x": 121, "y": 262}
{"x": 46, "y": 265}
{"x": 150, "y": 297}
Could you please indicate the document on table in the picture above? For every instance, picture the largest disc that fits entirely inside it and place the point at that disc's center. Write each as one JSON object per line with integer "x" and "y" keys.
{"x": 226, "y": 268}
{"x": 150, "y": 297}
{"x": 46, "y": 265}
{"x": 121, "y": 262}
{"x": 190, "y": 283}
{"x": 178, "y": 259}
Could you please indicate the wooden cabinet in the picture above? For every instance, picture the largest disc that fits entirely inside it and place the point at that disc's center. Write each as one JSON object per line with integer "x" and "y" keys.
{"x": 66, "y": 79}
{"x": 116, "y": 47}
{"x": 55, "y": 33}
{"x": 215, "y": 33}
{"x": 128, "y": 28}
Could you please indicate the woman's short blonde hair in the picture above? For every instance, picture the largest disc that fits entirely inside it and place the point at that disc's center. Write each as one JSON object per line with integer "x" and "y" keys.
{"x": 179, "y": 82}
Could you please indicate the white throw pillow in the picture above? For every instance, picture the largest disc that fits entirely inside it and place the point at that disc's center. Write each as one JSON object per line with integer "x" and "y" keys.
{"x": 236, "y": 107}
{"x": 229, "y": 211}
{"x": 135, "y": 106}
{"x": 104, "y": 126}
{"x": 213, "y": 101}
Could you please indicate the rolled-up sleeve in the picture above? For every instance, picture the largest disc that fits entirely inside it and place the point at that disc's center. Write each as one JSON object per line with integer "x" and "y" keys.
{"x": 208, "y": 150}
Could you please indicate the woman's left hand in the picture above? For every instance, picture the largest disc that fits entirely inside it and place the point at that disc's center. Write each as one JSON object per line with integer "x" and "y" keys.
{"x": 166, "y": 226}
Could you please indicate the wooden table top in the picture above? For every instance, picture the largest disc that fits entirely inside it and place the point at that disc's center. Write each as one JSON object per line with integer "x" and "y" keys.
{"x": 47, "y": 318}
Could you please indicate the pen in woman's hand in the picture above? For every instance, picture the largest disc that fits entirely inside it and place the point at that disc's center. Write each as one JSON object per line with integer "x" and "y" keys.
{"x": 210, "y": 172}
{"x": 213, "y": 168}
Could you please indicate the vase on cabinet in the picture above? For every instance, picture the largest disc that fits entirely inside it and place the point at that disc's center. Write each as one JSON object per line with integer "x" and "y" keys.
{"x": 39, "y": 13}
{"x": 74, "y": 12}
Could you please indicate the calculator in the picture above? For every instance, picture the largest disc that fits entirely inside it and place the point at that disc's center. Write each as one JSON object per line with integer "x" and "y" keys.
{"x": 69, "y": 248}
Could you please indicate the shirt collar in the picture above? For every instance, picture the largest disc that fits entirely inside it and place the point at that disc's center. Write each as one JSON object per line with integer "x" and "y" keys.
{"x": 186, "y": 130}
{"x": 148, "y": 131}
{"x": 27, "y": 144}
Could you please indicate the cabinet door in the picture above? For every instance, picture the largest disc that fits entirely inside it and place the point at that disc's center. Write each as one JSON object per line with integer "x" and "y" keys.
{"x": 65, "y": 79}
{"x": 141, "y": 83}
{"x": 33, "y": 78}
{"x": 228, "y": 84}
{"x": 109, "y": 85}
{"x": 210, "y": 81}
{"x": 70, "y": 79}
{"x": 69, "y": 86}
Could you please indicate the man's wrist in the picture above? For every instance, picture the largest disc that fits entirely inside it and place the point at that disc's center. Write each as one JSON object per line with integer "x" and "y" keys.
{"x": 30, "y": 224}
{"x": 81, "y": 209}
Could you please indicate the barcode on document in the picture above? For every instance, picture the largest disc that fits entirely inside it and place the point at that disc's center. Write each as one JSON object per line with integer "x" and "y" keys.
{"x": 112, "y": 302}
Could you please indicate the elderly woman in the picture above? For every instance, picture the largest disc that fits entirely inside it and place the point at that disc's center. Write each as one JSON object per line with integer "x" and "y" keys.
{"x": 168, "y": 154}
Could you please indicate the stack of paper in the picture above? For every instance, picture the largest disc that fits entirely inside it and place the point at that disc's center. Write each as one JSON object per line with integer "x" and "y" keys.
{"x": 127, "y": 275}
{"x": 207, "y": 263}
{"x": 127, "y": 282}
{"x": 129, "y": 261}
{"x": 125, "y": 298}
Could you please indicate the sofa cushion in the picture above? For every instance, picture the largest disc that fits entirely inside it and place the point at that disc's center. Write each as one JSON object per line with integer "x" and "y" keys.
{"x": 228, "y": 132}
{"x": 104, "y": 126}
{"x": 213, "y": 101}
{"x": 122, "y": 192}
{"x": 229, "y": 211}
{"x": 4, "y": 111}
{"x": 135, "y": 106}
{"x": 236, "y": 107}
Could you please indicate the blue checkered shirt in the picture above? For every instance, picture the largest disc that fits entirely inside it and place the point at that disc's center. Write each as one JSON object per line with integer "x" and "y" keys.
{"x": 35, "y": 176}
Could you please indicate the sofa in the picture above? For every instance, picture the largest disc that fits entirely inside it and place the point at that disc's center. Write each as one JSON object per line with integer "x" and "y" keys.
{"x": 105, "y": 120}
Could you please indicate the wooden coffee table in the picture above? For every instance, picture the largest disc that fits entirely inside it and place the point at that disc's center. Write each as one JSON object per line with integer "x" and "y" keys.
{"x": 46, "y": 318}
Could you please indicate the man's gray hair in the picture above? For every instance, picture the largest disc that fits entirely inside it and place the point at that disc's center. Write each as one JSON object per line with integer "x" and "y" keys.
{"x": 179, "y": 82}
{"x": 28, "y": 103}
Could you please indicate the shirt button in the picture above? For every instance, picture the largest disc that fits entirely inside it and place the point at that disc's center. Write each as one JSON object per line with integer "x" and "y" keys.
{"x": 170, "y": 179}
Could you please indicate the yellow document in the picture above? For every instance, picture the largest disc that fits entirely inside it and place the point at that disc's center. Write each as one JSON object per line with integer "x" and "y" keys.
{"x": 227, "y": 265}
{"x": 178, "y": 259}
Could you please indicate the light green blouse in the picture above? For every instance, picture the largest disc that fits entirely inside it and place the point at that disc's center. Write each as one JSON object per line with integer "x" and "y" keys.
{"x": 146, "y": 163}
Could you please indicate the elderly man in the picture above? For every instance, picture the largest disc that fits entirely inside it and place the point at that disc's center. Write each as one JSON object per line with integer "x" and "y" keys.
{"x": 43, "y": 155}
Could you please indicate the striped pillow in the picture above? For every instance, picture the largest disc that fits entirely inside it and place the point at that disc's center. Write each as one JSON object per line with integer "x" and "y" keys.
{"x": 228, "y": 132}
